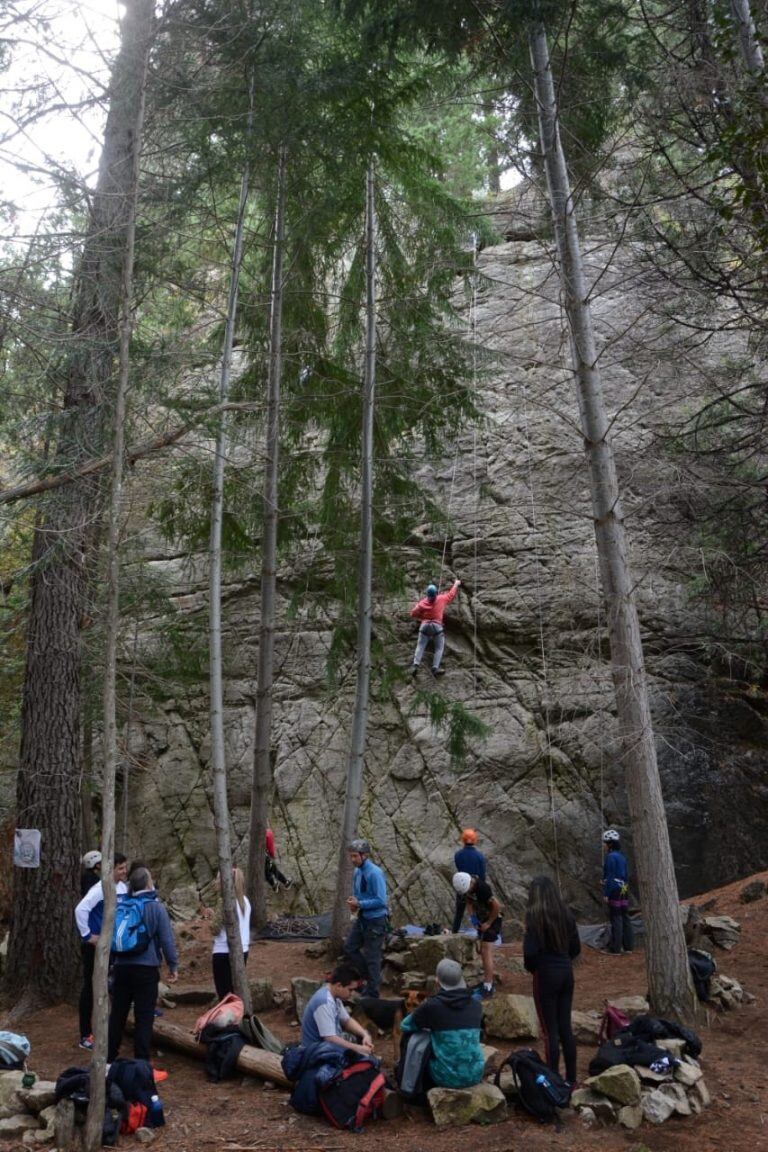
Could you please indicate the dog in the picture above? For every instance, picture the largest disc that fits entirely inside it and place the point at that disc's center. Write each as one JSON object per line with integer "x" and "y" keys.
{"x": 385, "y": 1015}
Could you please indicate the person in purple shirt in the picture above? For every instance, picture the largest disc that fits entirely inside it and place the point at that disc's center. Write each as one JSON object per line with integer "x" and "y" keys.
{"x": 470, "y": 860}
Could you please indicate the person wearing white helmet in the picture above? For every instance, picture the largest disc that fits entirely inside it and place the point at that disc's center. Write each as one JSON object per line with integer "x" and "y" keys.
{"x": 485, "y": 912}
{"x": 430, "y": 611}
{"x": 91, "y": 873}
{"x": 365, "y": 943}
{"x": 616, "y": 892}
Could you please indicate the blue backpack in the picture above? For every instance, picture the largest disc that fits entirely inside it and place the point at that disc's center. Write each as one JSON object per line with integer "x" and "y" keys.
{"x": 130, "y": 935}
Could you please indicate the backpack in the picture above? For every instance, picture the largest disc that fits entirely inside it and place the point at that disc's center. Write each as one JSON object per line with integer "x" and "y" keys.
{"x": 613, "y": 1021}
{"x": 130, "y": 935}
{"x": 703, "y": 968}
{"x": 411, "y": 1068}
{"x": 540, "y": 1090}
{"x": 228, "y": 1013}
{"x": 223, "y": 1046}
{"x": 353, "y": 1096}
{"x": 136, "y": 1081}
{"x": 14, "y": 1050}
{"x": 259, "y": 1036}
{"x": 629, "y": 1049}
{"x": 75, "y": 1084}
{"x": 653, "y": 1028}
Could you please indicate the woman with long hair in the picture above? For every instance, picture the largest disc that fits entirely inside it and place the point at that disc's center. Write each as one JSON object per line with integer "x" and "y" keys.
{"x": 550, "y": 946}
{"x": 222, "y": 969}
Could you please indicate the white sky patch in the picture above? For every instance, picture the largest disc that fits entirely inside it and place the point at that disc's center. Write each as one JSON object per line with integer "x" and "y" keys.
{"x": 57, "y": 60}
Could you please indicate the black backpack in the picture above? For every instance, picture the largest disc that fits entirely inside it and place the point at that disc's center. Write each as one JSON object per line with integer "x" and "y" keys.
{"x": 628, "y": 1049}
{"x": 653, "y": 1028}
{"x": 540, "y": 1090}
{"x": 703, "y": 968}
{"x": 353, "y": 1096}
{"x": 75, "y": 1084}
{"x": 134, "y": 1078}
{"x": 222, "y": 1049}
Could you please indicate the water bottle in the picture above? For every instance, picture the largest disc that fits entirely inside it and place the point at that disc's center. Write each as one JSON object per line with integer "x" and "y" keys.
{"x": 542, "y": 1081}
{"x": 155, "y": 1114}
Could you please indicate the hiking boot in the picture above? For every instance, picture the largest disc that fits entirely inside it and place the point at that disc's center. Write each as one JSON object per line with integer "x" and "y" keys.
{"x": 485, "y": 991}
{"x": 86, "y": 1042}
{"x": 438, "y": 671}
{"x": 288, "y": 882}
{"x": 414, "y": 670}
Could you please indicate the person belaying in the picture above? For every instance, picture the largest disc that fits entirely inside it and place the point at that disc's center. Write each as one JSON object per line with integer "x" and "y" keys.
{"x": 365, "y": 942}
{"x": 430, "y": 611}
{"x": 616, "y": 892}
{"x": 471, "y": 860}
{"x": 485, "y": 911}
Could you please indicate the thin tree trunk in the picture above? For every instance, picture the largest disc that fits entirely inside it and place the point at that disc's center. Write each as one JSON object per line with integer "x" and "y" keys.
{"x": 671, "y": 992}
{"x": 356, "y": 764}
{"x": 218, "y": 748}
{"x": 746, "y": 36}
{"x": 141, "y": 35}
{"x": 42, "y": 952}
{"x": 261, "y": 786}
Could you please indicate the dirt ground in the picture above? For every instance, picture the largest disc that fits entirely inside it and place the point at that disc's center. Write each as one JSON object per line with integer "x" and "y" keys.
{"x": 246, "y": 1114}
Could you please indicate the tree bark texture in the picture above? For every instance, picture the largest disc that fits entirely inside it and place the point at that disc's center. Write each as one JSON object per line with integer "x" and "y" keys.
{"x": 671, "y": 992}
{"x": 218, "y": 745}
{"x": 746, "y": 36}
{"x": 42, "y": 952}
{"x": 356, "y": 765}
{"x": 261, "y": 786}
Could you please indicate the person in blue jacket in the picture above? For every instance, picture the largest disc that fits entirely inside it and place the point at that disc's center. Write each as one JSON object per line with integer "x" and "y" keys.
{"x": 453, "y": 1018}
{"x": 365, "y": 942}
{"x": 616, "y": 892}
{"x": 467, "y": 859}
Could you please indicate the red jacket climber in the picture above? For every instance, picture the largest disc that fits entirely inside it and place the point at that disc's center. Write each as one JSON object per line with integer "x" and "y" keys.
{"x": 430, "y": 611}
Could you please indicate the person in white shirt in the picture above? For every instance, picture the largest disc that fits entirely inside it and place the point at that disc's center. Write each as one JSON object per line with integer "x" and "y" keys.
{"x": 222, "y": 969}
{"x": 89, "y": 914}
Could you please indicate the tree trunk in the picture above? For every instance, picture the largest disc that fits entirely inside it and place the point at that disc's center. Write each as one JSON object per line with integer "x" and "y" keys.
{"x": 218, "y": 749}
{"x": 746, "y": 36}
{"x": 140, "y": 36}
{"x": 42, "y": 951}
{"x": 356, "y": 763}
{"x": 261, "y": 787}
{"x": 671, "y": 992}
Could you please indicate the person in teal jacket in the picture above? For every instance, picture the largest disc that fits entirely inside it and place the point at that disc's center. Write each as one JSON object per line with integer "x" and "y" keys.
{"x": 453, "y": 1018}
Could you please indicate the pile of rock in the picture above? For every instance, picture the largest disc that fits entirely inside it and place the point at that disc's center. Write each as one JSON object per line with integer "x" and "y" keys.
{"x": 26, "y": 1114}
{"x": 627, "y": 1096}
{"x": 727, "y": 993}
{"x": 709, "y": 931}
{"x": 755, "y": 890}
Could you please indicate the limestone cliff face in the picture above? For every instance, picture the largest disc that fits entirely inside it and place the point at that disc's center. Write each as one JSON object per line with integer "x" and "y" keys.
{"x": 526, "y": 650}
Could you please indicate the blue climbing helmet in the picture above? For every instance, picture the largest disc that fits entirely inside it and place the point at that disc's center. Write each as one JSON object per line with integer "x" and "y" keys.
{"x": 431, "y": 591}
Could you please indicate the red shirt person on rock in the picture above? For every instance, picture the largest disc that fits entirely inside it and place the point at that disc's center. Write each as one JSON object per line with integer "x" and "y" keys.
{"x": 430, "y": 611}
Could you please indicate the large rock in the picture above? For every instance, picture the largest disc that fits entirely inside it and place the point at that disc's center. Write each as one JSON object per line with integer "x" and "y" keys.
{"x": 656, "y": 1106}
{"x": 672, "y": 1045}
{"x": 483, "y": 1104}
{"x": 631, "y": 1006}
{"x": 194, "y": 995}
{"x": 676, "y": 1093}
{"x": 262, "y": 994}
{"x": 511, "y": 1017}
{"x": 426, "y": 952}
{"x": 700, "y": 1092}
{"x": 10, "y": 1083}
{"x": 584, "y": 1099}
{"x": 723, "y": 931}
{"x": 688, "y": 1072}
{"x": 302, "y": 990}
{"x": 492, "y": 1058}
{"x": 630, "y": 1116}
{"x": 17, "y": 1125}
{"x": 620, "y": 1083}
{"x": 753, "y": 891}
{"x": 41, "y": 1095}
{"x": 586, "y": 1026}
{"x": 183, "y": 903}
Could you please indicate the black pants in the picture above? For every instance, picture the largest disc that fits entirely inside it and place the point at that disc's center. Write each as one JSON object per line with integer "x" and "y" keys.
{"x": 273, "y": 874}
{"x": 134, "y": 984}
{"x": 553, "y": 994}
{"x": 88, "y": 953}
{"x": 458, "y": 915}
{"x": 222, "y": 973}
{"x": 622, "y": 933}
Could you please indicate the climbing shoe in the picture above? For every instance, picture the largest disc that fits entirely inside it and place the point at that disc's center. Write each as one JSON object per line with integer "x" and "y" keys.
{"x": 86, "y": 1042}
{"x": 414, "y": 669}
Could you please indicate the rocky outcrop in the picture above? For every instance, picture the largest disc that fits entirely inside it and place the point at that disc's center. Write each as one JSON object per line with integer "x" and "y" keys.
{"x": 483, "y": 1104}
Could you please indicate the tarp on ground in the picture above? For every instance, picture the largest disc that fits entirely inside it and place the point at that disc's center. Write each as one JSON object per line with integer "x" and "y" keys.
{"x": 599, "y": 935}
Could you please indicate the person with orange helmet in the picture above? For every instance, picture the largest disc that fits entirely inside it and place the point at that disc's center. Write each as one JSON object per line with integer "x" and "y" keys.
{"x": 467, "y": 859}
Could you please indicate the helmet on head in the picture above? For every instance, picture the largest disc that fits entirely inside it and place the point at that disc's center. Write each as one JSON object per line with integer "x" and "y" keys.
{"x": 611, "y": 836}
{"x": 469, "y": 836}
{"x": 462, "y": 882}
{"x": 361, "y": 846}
{"x": 91, "y": 859}
{"x": 431, "y": 591}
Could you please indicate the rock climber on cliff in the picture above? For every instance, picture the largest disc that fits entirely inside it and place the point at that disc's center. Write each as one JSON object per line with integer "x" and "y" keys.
{"x": 430, "y": 611}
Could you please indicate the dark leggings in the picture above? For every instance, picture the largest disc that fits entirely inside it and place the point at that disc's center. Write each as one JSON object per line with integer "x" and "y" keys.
{"x": 553, "y": 994}
{"x": 222, "y": 973}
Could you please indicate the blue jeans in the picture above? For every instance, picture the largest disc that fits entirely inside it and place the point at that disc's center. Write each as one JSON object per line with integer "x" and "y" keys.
{"x": 430, "y": 630}
{"x": 364, "y": 947}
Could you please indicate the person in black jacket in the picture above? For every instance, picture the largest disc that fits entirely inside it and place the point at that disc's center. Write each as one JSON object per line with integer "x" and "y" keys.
{"x": 550, "y": 946}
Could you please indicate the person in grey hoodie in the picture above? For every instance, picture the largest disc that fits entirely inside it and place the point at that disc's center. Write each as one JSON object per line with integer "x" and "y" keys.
{"x": 137, "y": 975}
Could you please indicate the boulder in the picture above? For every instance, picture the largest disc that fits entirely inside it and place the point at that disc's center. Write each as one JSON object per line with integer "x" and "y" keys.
{"x": 687, "y": 1073}
{"x": 415, "y": 981}
{"x": 676, "y": 1093}
{"x": 316, "y": 950}
{"x": 600, "y": 1106}
{"x": 17, "y": 1125}
{"x": 482, "y": 1104}
{"x": 183, "y": 903}
{"x": 700, "y": 1092}
{"x": 511, "y": 1017}
{"x": 631, "y": 1005}
{"x": 48, "y": 1118}
{"x": 656, "y": 1107}
{"x": 10, "y": 1083}
{"x": 41, "y": 1095}
{"x": 426, "y": 952}
{"x": 262, "y": 994}
{"x": 303, "y": 989}
{"x": 620, "y": 1083}
{"x": 630, "y": 1116}
{"x": 196, "y": 995}
{"x": 587, "y": 1117}
{"x": 755, "y": 890}
{"x": 672, "y": 1045}
{"x": 146, "y": 1135}
{"x": 492, "y": 1057}
{"x": 586, "y": 1026}
{"x": 647, "y": 1075}
{"x": 724, "y": 931}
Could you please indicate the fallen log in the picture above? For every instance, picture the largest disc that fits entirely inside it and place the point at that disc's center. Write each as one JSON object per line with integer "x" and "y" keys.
{"x": 252, "y": 1061}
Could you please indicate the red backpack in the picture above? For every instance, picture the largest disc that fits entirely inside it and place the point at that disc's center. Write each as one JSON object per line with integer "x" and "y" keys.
{"x": 354, "y": 1096}
{"x": 228, "y": 1013}
{"x": 613, "y": 1022}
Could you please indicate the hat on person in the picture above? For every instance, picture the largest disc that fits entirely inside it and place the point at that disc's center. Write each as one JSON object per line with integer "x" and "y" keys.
{"x": 91, "y": 859}
{"x": 469, "y": 836}
{"x": 449, "y": 974}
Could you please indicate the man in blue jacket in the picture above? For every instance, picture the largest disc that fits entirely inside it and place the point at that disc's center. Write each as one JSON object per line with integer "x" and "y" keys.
{"x": 468, "y": 859}
{"x": 616, "y": 892}
{"x": 365, "y": 942}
